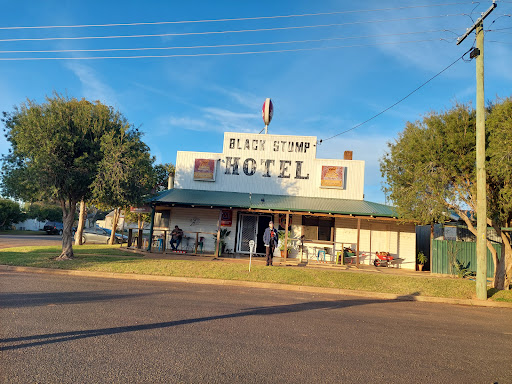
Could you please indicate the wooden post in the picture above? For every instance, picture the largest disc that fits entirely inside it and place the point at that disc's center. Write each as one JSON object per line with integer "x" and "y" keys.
{"x": 130, "y": 232}
{"x": 139, "y": 239}
{"x": 370, "y": 260}
{"x": 286, "y": 236}
{"x": 358, "y": 237}
{"x": 197, "y": 239}
{"x": 431, "y": 243}
{"x": 301, "y": 242}
{"x": 152, "y": 223}
{"x": 217, "y": 244}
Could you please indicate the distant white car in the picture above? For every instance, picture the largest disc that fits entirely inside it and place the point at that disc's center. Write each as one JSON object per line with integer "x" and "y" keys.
{"x": 98, "y": 235}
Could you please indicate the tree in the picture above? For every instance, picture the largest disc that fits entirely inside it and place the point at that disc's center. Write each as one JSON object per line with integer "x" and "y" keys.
{"x": 125, "y": 174}
{"x": 10, "y": 213}
{"x": 44, "y": 211}
{"x": 56, "y": 150}
{"x": 430, "y": 169}
{"x": 162, "y": 173}
{"x": 134, "y": 217}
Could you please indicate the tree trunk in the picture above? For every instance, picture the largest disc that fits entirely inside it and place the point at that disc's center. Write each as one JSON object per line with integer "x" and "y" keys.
{"x": 502, "y": 265}
{"x": 122, "y": 228}
{"x": 117, "y": 212}
{"x": 139, "y": 221}
{"x": 68, "y": 217}
{"x": 81, "y": 223}
{"x": 502, "y": 274}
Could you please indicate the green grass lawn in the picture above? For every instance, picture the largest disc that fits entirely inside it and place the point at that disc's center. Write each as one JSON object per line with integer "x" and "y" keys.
{"x": 105, "y": 258}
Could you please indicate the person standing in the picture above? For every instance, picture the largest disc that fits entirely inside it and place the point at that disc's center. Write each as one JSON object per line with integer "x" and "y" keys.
{"x": 176, "y": 236}
{"x": 270, "y": 239}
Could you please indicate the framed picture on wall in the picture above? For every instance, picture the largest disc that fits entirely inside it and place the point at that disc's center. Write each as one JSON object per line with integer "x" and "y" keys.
{"x": 204, "y": 169}
{"x": 332, "y": 177}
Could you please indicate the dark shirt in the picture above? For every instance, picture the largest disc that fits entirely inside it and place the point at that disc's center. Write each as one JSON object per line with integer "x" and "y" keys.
{"x": 177, "y": 233}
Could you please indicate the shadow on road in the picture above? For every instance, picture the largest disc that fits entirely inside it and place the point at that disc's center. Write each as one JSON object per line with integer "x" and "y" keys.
{"x": 51, "y": 338}
{"x": 21, "y": 300}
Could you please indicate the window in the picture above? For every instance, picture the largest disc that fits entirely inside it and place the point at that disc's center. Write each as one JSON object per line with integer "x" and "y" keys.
{"x": 162, "y": 219}
{"x": 318, "y": 228}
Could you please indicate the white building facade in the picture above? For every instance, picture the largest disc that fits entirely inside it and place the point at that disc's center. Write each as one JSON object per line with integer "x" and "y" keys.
{"x": 263, "y": 177}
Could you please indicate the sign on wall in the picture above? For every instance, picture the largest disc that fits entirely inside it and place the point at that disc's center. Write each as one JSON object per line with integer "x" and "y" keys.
{"x": 332, "y": 177}
{"x": 204, "y": 169}
{"x": 282, "y": 222}
{"x": 226, "y": 218}
{"x": 143, "y": 209}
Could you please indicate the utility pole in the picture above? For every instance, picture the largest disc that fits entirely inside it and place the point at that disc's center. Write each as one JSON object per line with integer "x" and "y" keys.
{"x": 481, "y": 180}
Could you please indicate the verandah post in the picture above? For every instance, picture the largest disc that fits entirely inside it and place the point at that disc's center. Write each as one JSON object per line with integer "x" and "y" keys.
{"x": 152, "y": 222}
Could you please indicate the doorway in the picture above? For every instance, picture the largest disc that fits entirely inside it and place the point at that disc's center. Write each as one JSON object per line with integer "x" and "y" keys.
{"x": 252, "y": 227}
{"x": 262, "y": 225}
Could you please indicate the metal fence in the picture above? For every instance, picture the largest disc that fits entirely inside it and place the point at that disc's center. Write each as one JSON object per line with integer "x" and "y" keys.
{"x": 445, "y": 253}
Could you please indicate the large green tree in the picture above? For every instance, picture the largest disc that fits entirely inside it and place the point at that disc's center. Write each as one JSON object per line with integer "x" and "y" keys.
{"x": 10, "y": 213}
{"x": 125, "y": 174}
{"x": 430, "y": 169}
{"x": 42, "y": 211}
{"x": 56, "y": 151}
{"x": 162, "y": 173}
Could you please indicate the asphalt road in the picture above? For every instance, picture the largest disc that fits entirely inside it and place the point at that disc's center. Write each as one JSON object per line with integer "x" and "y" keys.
{"x": 65, "y": 329}
{"x": 7, "y": 241}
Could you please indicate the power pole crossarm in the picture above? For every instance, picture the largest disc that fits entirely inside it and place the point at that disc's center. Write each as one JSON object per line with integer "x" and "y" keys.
{"x": 479, "y": 21}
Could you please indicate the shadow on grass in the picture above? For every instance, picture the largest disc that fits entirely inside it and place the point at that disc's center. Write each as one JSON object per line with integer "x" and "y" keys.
{"x": 493, "y": 291}
{"x": 45, "y": 257}
{"x": 59, "y": 337}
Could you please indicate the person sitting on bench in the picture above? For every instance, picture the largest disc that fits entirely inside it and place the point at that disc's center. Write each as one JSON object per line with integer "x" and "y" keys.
{"x": 176, "y": 236}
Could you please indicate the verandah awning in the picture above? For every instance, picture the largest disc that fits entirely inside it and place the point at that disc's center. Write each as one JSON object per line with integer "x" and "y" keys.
{"x": 189, "y": 197}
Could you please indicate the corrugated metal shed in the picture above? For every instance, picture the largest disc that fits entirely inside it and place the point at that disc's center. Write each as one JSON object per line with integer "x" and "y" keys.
{"x": 273, "y": 202}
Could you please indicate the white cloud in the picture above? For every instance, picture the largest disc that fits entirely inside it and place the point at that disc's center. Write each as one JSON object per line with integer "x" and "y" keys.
{"x": 244, "y": 98}
{"x": 92, "y": 87}
{"x": 434, "y": 47}
{"x": 219, "y": 113}
{"x": 188, "y": 123}
{"x": 214, "y": 119}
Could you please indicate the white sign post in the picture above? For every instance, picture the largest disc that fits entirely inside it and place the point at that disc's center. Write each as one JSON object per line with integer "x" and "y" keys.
{"x": 251, "y": 251}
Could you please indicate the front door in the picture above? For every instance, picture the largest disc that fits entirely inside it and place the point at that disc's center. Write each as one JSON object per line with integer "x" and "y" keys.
{"x": 247, "y": 230}
{"x": 262, "y": 225}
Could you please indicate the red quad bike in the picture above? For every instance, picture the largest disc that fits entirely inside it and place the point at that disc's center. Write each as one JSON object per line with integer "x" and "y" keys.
{"x": 384, "y": 259}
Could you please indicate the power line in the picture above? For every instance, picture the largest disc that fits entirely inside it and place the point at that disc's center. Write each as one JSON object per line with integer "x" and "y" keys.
{"x": 211, "y": 54}
{"x": 230, "y": 31}
{"x": 224, "y": 45}
{"x": 233, "y": 19}
{"x": 399, "y": 101}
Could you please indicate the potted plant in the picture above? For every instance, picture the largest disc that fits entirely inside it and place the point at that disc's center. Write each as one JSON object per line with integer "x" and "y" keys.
{"x": 422, "y": 260}
{"x": 281, "y": 236}
{"x": 222, "y": 240}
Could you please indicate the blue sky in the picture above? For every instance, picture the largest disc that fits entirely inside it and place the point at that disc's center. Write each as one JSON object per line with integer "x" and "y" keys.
{"x": 186, "y": 103}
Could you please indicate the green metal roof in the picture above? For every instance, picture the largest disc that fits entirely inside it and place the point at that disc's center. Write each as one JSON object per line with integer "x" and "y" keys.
{"x": 273, "y": 202}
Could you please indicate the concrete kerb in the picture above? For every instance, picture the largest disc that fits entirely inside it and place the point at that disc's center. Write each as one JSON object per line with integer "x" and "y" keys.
{"x": 252, "y": 284}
